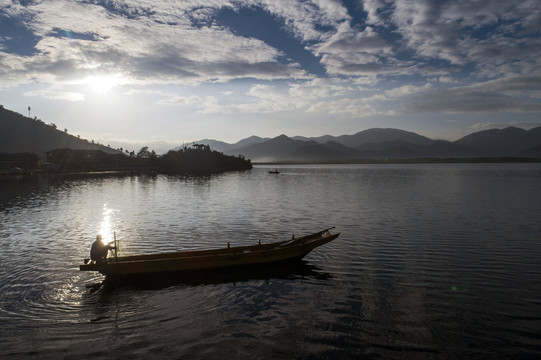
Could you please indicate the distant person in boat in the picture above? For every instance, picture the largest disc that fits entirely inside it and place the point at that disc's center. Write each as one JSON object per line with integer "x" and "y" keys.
{"x": 99, "y": 250}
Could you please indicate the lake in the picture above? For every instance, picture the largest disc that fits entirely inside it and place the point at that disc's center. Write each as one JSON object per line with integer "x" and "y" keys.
{"x": 434, "y": 261}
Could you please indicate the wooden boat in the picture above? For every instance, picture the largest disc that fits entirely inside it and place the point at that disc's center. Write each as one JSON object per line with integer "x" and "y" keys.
{"x": 260, "y": 254}
{"x": 274, "y": 172}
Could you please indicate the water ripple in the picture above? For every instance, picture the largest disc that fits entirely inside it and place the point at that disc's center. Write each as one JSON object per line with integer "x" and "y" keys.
{"x": 432, "y": 262}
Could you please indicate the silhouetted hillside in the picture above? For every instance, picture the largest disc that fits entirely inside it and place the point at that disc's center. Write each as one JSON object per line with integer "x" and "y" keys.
{"x": 435, "y": 148}
{"x": 283, "y": 148}
{"x": 21, "y": 134}
{"x": 510, "y": 141}
{"x": 380, "y": 144}
{"x": 534, "y": 152}
{"x": 252, "y": 140}
{"x": 327, "y": 147}
{"x": 230, "y": 148}
{"x": 278, "y": 148}
{"x": 330, "y": 151}
{"x": 381, "y": 135}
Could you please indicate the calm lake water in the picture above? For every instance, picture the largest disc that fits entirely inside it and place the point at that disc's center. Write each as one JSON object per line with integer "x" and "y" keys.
{"x": 433, "y": 262}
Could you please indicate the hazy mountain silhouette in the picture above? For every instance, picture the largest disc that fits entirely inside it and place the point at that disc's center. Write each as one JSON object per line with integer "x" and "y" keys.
{"x": 327, "y": 152}
{"x": 252, "y": 140}
{"x": 20, "y": 134}
{"x": 326, "y": 147}
{"x": 278, "y": 148}
{"x": 402, "y": 149}
{"x": 367, "y": 144}
{"x": 534, "y": 152}
{"x": 510, "y": 141}
{"x": 223, "y": 146}
{"x": 389, "y": 144}
{"x": 377, "y": 135}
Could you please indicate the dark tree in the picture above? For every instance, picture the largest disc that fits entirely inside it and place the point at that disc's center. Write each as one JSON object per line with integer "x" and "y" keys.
{"x": 144, "y": 153}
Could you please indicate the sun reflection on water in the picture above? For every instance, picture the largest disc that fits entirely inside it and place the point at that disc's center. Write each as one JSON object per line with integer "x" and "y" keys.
{"x": 106, "y": 230}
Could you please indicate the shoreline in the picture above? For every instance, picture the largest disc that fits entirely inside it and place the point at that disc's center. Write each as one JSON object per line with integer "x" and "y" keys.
{"x": 157, "y": 171}
{"x": 477, "y": 160}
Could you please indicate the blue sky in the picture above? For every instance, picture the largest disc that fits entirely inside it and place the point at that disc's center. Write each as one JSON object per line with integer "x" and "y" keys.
{"x": 163, "y": 73}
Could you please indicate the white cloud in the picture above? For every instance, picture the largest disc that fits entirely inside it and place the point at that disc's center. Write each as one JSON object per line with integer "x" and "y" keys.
{"x": 264, "y": 99}
{"x": 304, "y": 18}
{"x": 154, "y": 44}
{"x": 185, "y": 100}
{"x": 376, "y": 11}
{"x": 423, "y": 27}
{"x": 358, "y": 108}
{"x": 446, "y": 79}
{"x": 354, "y": 52}
{"x": 320, "y": 88}
{"x": 485, "y": 33}
{"x": 523, "y": 86}
{"x": 151, "y": 42}
{"x": 408, "y": 90}
{"x": 55, "y": 94}
{"x": 296, "y": 96}
{"x": 513, "y": 94}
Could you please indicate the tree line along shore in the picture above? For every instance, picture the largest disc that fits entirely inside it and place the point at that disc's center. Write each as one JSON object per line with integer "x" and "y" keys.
{"x": 198, "y": 159}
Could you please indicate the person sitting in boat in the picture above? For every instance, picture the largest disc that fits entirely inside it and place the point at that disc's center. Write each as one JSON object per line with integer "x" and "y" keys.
{"x": 99, "y": 250}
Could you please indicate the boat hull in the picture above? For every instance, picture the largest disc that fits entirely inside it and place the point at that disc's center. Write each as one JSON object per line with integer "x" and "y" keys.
{"x": 213, "y": 259}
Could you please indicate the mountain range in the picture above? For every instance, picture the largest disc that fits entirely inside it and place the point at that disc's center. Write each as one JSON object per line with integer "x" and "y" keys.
{"x": 19, "y": 134}
{"x": 378, "y": 143}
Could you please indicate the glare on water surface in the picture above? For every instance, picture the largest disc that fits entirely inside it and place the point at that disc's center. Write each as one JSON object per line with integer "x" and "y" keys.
{"x": 106, "y": 229}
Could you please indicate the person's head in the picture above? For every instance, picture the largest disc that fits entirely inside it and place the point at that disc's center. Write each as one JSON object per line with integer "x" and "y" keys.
{"x": 98, "y": 238}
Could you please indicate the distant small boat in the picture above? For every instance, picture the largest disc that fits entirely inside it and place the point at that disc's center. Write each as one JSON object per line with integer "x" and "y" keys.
{"x": 293, "y": 249}
{"x": 274, "y": 172}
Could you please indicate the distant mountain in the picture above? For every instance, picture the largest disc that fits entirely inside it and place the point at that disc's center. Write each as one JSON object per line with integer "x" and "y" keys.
{"x": 510, "y": 141}
{"x": 326, "y": 138}
{"x": 327, "y": 147}
{"x": 375, "y": 135}
{"x": 388, "y": 144}
{"x": 283, "y": 148}
{"x": 534, "y": 152}
{"x": 20, "y": 134}
{"x": 226, "y": 147}
{"x": 446, "y": 149}
{"x": 535, "y": 132}
{"x": 278, "y": 148}
{"x": 327, "y": 152}
{"x": 367, "y": 144}
{"x": 435, "y": 148}
{"x": 252, "y": 140}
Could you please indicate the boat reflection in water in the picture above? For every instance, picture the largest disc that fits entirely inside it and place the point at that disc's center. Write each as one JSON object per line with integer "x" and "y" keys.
{"x": 287, "y": 270}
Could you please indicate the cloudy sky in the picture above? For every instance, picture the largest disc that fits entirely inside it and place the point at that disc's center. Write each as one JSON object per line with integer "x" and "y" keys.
{"x": 147, "y": 71}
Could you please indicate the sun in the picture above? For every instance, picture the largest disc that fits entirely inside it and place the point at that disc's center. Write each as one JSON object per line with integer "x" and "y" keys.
{"x": 102, "y": 84}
